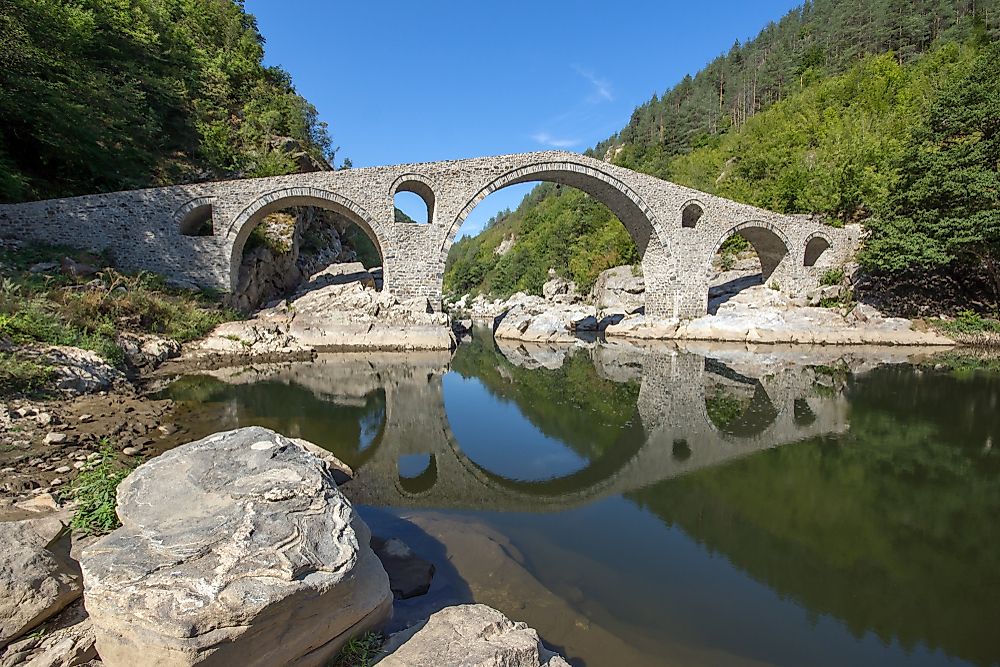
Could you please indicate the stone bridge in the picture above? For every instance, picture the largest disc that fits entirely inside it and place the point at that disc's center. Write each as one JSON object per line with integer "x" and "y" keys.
{"x": 677, "y": 229}
{"x": 672, "y": 432}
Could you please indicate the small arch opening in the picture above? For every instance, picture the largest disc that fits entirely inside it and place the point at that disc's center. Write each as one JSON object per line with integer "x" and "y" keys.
{"x": 815, "y": 248}
{"x": 413, "y": 201}
{"x": 681, "y": 450}
{"x": 198, "y": 221}
{"x": 691, "y": 214}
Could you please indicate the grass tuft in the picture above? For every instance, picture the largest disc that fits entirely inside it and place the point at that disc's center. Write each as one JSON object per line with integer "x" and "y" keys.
{"x": 94, "y": 493}
{"x": 360, "y": 651}
{"x": 23, "y": 376}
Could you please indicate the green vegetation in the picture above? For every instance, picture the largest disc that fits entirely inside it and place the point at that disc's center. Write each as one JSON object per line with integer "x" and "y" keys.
{"x": 23, "y": 376}
{"x": 57, "y": 308}
{"x": 562, "y": 228}
{"x": 878, "y": 111}
{"x": 93, "y": 491}
{"x": 725, "y": 406}
{"x": 98, "y": 95}
{"x": 832, "y": 277}
{"x": 970, "y": 323}
{"x": 572, "y": 404}
{"x": 360, "y": 651}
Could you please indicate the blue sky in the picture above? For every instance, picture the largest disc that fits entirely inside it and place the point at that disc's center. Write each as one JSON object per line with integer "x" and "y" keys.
{"x": 437, "y": 80}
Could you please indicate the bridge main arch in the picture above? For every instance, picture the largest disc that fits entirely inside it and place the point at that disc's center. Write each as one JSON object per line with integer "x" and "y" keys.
{"x": 636, "y": 215}
{"x": 239, "y": 229}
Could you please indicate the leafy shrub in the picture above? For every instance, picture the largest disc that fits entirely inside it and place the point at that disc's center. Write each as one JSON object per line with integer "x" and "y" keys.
{"x": 94, "y": 493}
{"x": 832, "y": 277}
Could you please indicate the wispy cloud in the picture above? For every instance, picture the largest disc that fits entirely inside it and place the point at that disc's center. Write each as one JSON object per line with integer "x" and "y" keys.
{"x": 547, "y": 139}
{"x": 602, "y": 87}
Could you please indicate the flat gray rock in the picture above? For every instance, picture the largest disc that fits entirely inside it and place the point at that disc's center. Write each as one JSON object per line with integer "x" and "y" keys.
{"x": 37, "y": 576}
{"x": 468, "y": 635}
{"x": 234, "y": 549}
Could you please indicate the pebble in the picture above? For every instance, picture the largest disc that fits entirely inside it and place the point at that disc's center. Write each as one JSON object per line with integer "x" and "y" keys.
{"x": 79, "y": 464}
{"x": 130, "y": 451}
{"x": 43, "y": 418}
{"x": 93, "y": 456}
{"x": 57, "y": 482}
{"x": 54, "y": 438}
{"x": 62, "y": 470}
{"x": 83, "y": 419}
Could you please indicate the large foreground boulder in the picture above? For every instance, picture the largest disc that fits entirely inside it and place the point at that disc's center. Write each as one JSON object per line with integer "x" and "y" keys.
{"x": 237, "y": 549}
{"x": 37, "y": 576}
{"x": 468, "y": 635}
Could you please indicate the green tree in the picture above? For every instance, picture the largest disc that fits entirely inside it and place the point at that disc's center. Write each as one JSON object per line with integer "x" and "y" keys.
{"x": 946, "y": 207}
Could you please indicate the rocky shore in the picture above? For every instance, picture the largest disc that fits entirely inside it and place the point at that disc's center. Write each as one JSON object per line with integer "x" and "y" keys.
{"x": 740, "y": 310}
{"x": 268, "y": 564}
{"x": 340, "y": 308}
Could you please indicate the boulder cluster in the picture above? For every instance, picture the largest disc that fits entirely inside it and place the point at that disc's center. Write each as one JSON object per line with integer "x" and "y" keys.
{"x": 740, "y": 309}
{"x": 236, "y": 549}
{"x": 340, "y": 307}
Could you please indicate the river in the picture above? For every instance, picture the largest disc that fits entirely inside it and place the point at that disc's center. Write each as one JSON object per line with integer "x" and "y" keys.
{"x": 659, "y": 505}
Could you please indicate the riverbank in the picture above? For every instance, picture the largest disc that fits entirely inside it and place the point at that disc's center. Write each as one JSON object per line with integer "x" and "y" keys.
{"x": 740, "y": 310}
{"x": 331, "y": 610}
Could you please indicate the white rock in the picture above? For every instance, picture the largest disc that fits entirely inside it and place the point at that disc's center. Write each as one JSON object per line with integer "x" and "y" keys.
{"x": 232, "y": 555}
{"x": 471, "y": 635}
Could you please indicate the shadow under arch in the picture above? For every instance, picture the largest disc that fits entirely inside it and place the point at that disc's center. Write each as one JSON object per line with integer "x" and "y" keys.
{"x": 769, "y": 242}
{"x": 633, "y": 212}
{"x": 243, "y": 224}
{"x": 753, "y": 419}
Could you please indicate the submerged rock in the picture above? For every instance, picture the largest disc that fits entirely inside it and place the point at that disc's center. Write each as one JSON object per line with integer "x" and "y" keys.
{"x": 468, "y": 635}
{"x": 409, "y": 575}
{"x": 234, "y": 549}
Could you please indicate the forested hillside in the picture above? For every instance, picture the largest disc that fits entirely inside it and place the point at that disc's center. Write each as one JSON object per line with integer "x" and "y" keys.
{"x": 100, "y": 95}
{"x": 840, "y": 108}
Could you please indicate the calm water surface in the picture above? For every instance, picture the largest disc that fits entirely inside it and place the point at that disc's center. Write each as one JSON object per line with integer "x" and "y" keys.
{"x": 795, "y": 507}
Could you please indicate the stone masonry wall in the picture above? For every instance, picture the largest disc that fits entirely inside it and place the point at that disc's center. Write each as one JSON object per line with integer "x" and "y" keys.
{"x": 145, "y": 229}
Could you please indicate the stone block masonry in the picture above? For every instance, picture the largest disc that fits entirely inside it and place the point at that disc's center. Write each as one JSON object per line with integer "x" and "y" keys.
{"x": 676, "y": 229}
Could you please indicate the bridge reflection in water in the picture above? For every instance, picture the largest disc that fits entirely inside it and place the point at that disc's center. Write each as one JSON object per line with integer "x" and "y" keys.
{"x": 691, "y": 412}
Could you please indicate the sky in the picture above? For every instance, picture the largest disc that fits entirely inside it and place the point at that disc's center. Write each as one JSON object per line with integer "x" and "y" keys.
{"x": 407, "y": 81}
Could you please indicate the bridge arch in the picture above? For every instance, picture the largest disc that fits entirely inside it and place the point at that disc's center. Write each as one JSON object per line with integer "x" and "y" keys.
{"x": 816, "y": 245}
{"x": 195, "y": 217}
{"x": 769, "y": 242}
{"x": 635, "y": 214}
{"x": 239, "y": 229}
{"x": 419, "y": 185}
